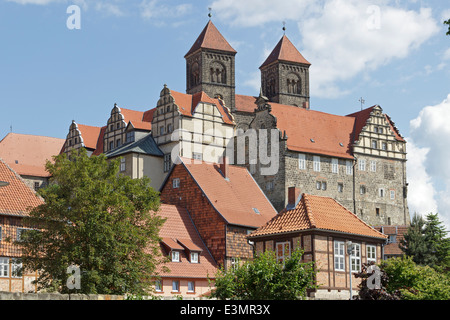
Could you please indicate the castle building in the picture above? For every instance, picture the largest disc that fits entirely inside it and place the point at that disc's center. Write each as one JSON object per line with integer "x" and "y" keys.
{"x": 357, "y": 159}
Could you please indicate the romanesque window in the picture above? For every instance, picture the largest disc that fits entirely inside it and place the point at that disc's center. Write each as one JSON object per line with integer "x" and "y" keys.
{"x": 293, "y": 84}
{"x": 217, "y": 73}
{"x": 195, "y": 74}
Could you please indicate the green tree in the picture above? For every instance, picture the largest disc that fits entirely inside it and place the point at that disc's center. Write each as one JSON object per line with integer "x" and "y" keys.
{"x": 98, "y": 220}
{"x": 426, "y": 241}
{"x": 415, "y": 282}
{"x": 438, "y": 244}
{"x": 264, "y": 278}
{"x": 413, "y": 243}
{"x": 448, "y": 23}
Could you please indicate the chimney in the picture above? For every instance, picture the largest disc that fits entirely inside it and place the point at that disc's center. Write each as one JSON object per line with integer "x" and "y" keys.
{"x": 224, "y": 167}
{"x": 293, "y": 194}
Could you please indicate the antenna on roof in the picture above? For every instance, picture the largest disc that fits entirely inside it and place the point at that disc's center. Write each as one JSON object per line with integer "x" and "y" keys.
{"x": 209, "y": 14}
{"x": 284, "y": 27}
{"x": 362, "y": 102}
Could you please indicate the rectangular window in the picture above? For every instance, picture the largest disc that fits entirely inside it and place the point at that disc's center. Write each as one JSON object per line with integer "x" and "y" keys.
{"x": 0, "y": 233}
{"x": 175, "y": 256}
{"x": 316, "y": 161}
{"x": 111, "y": 145}
{"x": 16, "y": 268}
{"x": 194, "y": 257}
{"x": 362, "y": 165}
{"x": 175, "y": 286}
{"x": 4, "y": 267}
{"x": 392, "y": 238}
{"x": 130, "y": 136}
{"x": 371, "y": 253}
{"x": 318, "y": 185}
{"x": 339, "y": 256}
{"x": 324, "y": 185}
{"x": 381, "y": 192}
{"x": 197, "y": 156}
{"x": 355, "y": 259}
{"x": 269, "y": 186}
{"x": 167, "y": 162}
{"x": 377, "y": 212}
{"x": 123, "y": 164}
{"x": 301, "y": 161}
{"x": 19, "y": 233}
{"x": 158, "y": 286}
{"x": 283, "y": 251}
{"x": 349, "y": 167}
{"x": 362, "y": 189}
{"x": 334, "y": 165}
{"x": 118, "y": 143}
{"x": 340, "y": 187}
{"x": 392, "y": 193}
{"x": 176, "y": 183}
{"x": 373, "y": 166}
{"x": 36, "y": 186}
{"x": 191, "y": 286}
{"x": 374, "y": 144}
{"x": 161, "y": 131}
{"x": 384, "y": 145}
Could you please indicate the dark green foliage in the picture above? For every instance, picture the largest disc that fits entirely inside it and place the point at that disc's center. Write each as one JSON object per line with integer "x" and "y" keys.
{"x": 448, "y": 23}
{"x": 99, "y": 220}
{"x": 264, "y": 278}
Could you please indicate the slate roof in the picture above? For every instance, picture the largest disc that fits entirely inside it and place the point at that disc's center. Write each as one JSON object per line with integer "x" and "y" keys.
{"x": 145, "y": 145}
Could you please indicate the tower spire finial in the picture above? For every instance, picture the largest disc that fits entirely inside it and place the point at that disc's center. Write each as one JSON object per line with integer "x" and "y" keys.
{"x": 209, "y": 14}
{"x": 284, "y": 27}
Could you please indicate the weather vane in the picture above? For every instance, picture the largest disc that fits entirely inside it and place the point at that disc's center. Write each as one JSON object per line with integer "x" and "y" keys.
{"x": 362, "y": 102}
{"x": 209, "y": 14}
{"x": 284, "y": 27}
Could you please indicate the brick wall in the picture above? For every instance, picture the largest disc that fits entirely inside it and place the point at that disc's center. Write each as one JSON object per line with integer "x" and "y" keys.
{"x": 208, "y": 222}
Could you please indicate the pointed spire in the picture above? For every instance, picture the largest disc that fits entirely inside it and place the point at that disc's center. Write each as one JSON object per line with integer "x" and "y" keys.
{"x": 211, "y": 38}
{"x": 285, "y": 51}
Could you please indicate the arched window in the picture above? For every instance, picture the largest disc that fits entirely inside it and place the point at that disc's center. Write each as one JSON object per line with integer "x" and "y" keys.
{"x": 217, "y": 73}
{"x": 294, "y": 84}
{"x": 195, "y": 74}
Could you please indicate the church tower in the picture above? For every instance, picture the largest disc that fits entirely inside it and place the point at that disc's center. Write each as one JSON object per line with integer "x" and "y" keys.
{"x": 210, "y": 66}
{"x": 285, "y": 75}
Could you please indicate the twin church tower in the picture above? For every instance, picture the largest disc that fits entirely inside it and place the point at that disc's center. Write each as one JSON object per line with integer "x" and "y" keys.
{"x": 210, "y": 67}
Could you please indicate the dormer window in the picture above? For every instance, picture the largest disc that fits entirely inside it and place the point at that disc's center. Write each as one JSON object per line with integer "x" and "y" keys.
{"x": 175, "y": 256}
{"x": 194, "y": 257}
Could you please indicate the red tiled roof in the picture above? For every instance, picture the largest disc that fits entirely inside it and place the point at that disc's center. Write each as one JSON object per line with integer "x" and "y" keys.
{"x": 141, "y": 125}
{"x": 321, "y": 133}
{"x": 187, "y": 103}
{"x": 285, "y": 51}
{"x": 131, "y": 115}
{"x": 90, "y": 135}
{"x": 16, "y": 198}
{"x": 393, "y": 248}
{"x": 238, "y": 199}
{"x": 244, "y": 103}
{"x": 28, "y": 154}
{"x": 316, "y": 212}
{"x": 99, "y": 146}
{"x": 211, "y": 38}
{"x": 180, "y": 228}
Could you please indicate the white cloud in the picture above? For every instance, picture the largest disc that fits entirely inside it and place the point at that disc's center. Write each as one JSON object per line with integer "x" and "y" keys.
{"x": 342, "y": 39}
{"x": 157, "y": 10}
{"x": 428, "y": 160}
{"x": 109, "y": 9}
{"x": 38, "y": 2}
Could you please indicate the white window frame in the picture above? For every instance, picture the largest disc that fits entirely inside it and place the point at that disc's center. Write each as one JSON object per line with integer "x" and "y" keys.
{"x": 16, "y": 268}
{"x": 392, "y": 194}
{"x": 371, "y": 251}
{"x": 123, "y": 164}
{"x": 374, "y": 144}
{"x": 349, "y": 167}
{"x": 334, "y": 165}
{"x": 191, "y": 286}
{"x": 373, "y": 166}
{"x": 301, "y": 161}
{"x": 362, "y": 165}
{"x": 4, "y": 267}
{"x": 194, "y": 257}
{"x": 316, "y": 163}
{"x": 175, "y": 285}
{"x": 339, "y": 255}
{"x": 158, "y": 285}
{"x": 284, "y": 255}
{"x": 355, "y": 258}
{"x": 176, "y": 183}
{"x": 175, "y": 256}
{"x": 19, "y": 232}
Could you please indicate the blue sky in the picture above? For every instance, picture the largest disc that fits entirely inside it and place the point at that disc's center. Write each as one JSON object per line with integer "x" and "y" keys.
{"x": 391, "y": 53}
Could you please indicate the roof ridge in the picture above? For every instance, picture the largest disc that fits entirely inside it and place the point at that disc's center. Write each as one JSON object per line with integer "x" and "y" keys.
{"x": 309, "y": 214}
